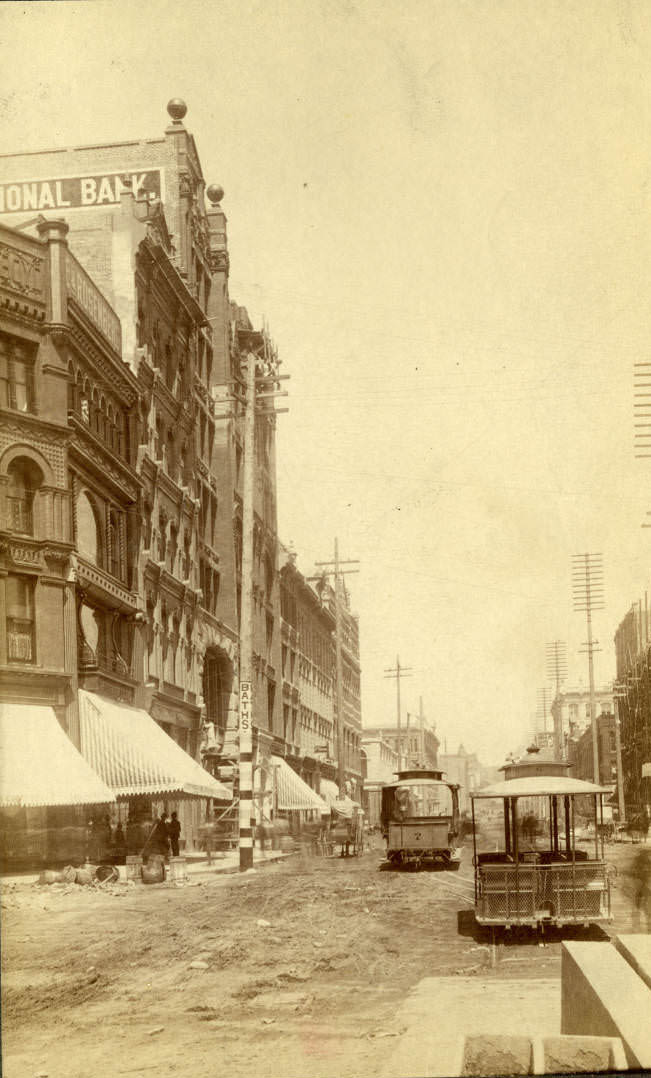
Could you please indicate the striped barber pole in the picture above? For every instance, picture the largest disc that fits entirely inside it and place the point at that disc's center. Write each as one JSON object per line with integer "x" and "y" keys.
{"x": 246, "y": 777}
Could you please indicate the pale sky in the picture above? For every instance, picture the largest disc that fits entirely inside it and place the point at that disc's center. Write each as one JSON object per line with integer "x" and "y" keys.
{"x": 442, "y": 209}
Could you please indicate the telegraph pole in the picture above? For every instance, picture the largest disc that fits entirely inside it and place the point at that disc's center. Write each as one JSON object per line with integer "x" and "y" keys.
{"x": 619, "y": 692}
{"x": 261, "y": 372}
{"x": 421, "y": 720}
{"x": 587, "y": 583}
{"x": 543, "y": 707}
{"x": 556, "y": 653}
{"x": 338, "y": 572}
{"x": 557, "y": 662}
{"x": 398, "y": 672}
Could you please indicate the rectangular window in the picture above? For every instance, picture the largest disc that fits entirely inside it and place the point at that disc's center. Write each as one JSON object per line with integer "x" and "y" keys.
{"x": 16, "y": 375}
{"x": 21, "y": 646}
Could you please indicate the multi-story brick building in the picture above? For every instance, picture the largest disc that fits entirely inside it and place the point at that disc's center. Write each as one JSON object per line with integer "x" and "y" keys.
{"x": 580, "y": 752}
{"x": 68, "y": 533}
{"x": 351, "y": 686}
{"x": 139, "y": 225}
{"x": 307, "y": 664}
{"x": 571, "y": 715}
{"x": 633, "y": 651}
{"x": 419, "y": 744}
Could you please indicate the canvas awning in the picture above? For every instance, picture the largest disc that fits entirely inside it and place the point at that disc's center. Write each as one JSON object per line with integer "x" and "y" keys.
{"x": 40, "y": 766}
{"x": 345, "y": 806}
{"x": 135, "y": 756}
{"x": 292, "y": 792}
{"x": 329, "y": 791}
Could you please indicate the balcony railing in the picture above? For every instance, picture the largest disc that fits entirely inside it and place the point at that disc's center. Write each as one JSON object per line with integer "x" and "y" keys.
{"x": 19, "y": 513}
{"x": 20, "y": 640}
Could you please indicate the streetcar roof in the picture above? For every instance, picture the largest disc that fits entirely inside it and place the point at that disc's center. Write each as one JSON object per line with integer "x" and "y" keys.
{"x": 540, "y": 786}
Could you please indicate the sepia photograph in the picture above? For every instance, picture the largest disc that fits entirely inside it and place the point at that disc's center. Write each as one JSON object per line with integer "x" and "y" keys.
{"x": 325, "y": 570}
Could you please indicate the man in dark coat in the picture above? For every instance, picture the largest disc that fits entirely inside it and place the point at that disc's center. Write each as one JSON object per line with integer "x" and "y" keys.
{"x": 174, "y": 833}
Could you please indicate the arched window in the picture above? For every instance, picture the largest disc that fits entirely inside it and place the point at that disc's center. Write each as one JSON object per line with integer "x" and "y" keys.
{"x": 85, "y": 403}
{"x": 88, "y": 542}
{"x": 217, "y": 679}
{"x": 25, "y": 478}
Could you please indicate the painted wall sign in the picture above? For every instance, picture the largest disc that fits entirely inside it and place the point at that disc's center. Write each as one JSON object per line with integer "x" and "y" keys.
{"x": 78, "y": 192}
{"x": 86, "y": 294}
{"x": 245, "y": 706}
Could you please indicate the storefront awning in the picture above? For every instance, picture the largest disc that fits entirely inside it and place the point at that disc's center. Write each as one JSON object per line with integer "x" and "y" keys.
{"x": 40, "y": 766}
{"x": 329, "y": 791}
{"x": 134, "y": 756}
{"x": 292, "y": 792}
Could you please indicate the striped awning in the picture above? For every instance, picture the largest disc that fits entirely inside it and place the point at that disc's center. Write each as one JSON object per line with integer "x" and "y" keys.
{"x": 135, "y": 756}
{"x": 292, "y": 792}
{"x": 329, "y": 791}
{"x": 40, "y": 766}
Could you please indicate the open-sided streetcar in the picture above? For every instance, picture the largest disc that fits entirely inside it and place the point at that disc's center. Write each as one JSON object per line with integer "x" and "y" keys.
{"x": 420, "y": 819}
{"x": 541, "y": 877}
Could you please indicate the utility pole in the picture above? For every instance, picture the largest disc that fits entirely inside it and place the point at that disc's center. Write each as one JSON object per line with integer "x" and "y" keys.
{"x": 543, "y": 707}
{"x": 619, "y": 692}
{"x": 261, "y": 372}
{"x": 421, "y": 721}
{"x": 334, "y": 568}
{"x": 587, "y": 584}
{"x": 556, "y": 654}
{"x": 398, "y": 672}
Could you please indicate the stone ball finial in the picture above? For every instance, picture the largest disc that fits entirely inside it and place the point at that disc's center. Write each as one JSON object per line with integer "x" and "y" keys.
{"x": 177, "y": 109}
{"x": 215, "y": 193}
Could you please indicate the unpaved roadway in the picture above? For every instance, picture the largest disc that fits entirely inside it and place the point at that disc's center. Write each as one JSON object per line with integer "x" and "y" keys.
{"x": 296, "y": 969}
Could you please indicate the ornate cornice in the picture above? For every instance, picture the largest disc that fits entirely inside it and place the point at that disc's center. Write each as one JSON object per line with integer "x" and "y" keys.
{"x": 121, "y": 379}
{"x": 103, "y": 463}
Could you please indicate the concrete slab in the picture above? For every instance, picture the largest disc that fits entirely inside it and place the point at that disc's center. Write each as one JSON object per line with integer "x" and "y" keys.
{"x": 601, "y": 994}
{"x": 636, "y": 949}
{"x": 441, "y": 1011}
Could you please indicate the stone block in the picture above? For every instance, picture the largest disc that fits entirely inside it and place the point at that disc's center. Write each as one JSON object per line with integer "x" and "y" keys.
{"x": 602, "y": 995}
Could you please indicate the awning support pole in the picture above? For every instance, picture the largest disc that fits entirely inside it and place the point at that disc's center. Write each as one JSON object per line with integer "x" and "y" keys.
{"x": 245, "y": 837}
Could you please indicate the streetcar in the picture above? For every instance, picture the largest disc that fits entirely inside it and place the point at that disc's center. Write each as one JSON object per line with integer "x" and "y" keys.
{"x": 420, "y": 819}
{"x": 542, "y": 875}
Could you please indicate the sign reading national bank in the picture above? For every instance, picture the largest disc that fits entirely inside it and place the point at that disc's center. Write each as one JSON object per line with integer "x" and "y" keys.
{"x": 78, "y": 192}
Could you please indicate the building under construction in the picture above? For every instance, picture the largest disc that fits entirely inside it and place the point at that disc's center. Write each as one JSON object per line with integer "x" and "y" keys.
{"x": 633, "y": 650}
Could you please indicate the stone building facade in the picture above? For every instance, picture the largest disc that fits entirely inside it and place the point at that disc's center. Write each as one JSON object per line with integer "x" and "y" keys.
{"x": 37, "y": 591}
{"x": 308, "y": 679}
{"x": 139, "y": 225}
{"x": 571, "y": 715}
{"x": 69, "y": 504}
{"x": 580, "y": 752}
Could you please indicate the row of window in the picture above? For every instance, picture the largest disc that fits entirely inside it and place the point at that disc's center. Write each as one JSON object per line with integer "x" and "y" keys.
{"x": 16, "y": 374}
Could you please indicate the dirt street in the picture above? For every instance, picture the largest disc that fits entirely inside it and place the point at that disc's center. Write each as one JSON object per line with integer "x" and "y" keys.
{"x": 294, "y": 969}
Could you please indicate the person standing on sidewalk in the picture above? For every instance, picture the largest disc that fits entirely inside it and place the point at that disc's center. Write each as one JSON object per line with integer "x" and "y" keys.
{"x": 174, "y": 834}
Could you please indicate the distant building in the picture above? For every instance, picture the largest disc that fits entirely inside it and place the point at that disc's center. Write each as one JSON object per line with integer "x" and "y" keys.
{"x": 465, "y": 769}
{"x": 307, "y": 673}
{"x": 571, "y": 714}
{"x": 418, "y": 745}
{"x": 580, "y": 752}
{"x": 381, "y": 769}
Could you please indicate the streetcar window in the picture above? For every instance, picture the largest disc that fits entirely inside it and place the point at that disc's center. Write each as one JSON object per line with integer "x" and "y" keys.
{"x": 422, "y": 800}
